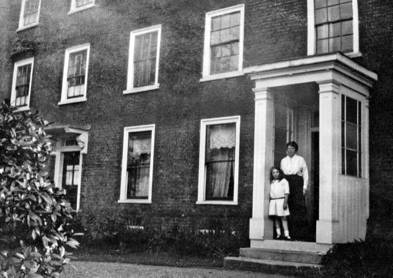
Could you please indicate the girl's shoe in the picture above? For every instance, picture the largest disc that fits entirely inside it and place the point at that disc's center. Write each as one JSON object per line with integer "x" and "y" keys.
{"x": 278, "y": 236}
{"x": 287, "y": 237}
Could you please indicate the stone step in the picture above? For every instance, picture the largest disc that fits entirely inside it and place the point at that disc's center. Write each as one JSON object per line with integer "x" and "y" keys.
{"x": 270, "y": 266}
{"x": 281, "y": 255}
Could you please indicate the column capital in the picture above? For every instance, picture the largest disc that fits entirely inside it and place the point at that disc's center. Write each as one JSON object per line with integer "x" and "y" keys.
{"x": 330, "y": 86}
{"x": 262, "y": 93}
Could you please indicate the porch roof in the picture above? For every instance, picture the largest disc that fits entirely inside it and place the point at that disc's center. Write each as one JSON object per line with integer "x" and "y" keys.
{"x": 80, "y": 132}
{"x": 318, "y": 69}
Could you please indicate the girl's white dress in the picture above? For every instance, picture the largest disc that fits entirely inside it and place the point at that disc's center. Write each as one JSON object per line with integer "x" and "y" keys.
{"x": 278, "y": 189}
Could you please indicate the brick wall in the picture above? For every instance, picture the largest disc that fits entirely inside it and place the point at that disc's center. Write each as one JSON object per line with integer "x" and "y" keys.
{"x": 274, "y": 31}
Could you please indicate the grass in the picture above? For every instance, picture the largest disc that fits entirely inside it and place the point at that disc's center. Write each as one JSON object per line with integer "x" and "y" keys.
{"x": 163, "y": 258}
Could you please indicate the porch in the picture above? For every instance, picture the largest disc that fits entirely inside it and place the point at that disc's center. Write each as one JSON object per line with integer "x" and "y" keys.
{"x": 322, "y": 103}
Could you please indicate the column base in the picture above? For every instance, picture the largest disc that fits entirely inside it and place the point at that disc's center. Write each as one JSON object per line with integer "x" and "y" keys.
{"x": 256, "y": 228}
{"x": 325, "y": 231}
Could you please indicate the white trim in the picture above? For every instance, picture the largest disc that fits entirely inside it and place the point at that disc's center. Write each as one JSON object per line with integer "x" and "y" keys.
{"x": 18, "y": 64}
{"x": 74, "y": 9}
{"x": 222, "y": 76}
{"x": 130, "y": 75}
{"x": 21, "y": 25}
{"x": 202, "y": 174}
{"x": 68, "y": 52}
{"x": 206, "y": 48}
{"x": 311, "y": 30}
{"x": 59, "y": 160}
{"x": 123, "y": 184}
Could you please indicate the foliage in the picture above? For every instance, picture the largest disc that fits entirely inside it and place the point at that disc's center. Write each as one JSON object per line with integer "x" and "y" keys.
{"x": 34, "y": 215}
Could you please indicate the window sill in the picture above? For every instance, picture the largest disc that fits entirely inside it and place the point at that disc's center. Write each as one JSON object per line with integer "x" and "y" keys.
{"x": 81, "y": 9}
{"x": 22, "y": 109}
{"x": 221, "y": 76}
{"x": 27, "y": 27}
{"x": 353, "y": 54}
{"x": 134, "y": 201}
{"x": 225, "y": 203}
{"x": 141, "y": 89}
{"x": 72, "y": 100}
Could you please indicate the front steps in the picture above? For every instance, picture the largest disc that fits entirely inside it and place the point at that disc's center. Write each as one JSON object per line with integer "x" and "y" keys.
{"x": 278, "y": 256}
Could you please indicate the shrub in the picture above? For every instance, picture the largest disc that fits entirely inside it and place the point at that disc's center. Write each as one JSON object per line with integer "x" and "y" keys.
{"x": 34, "y": 215}
{"x": 370, "y": 258}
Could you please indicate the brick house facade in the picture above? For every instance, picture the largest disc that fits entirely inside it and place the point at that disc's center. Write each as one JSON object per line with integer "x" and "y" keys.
{"x": 184, "y": 98}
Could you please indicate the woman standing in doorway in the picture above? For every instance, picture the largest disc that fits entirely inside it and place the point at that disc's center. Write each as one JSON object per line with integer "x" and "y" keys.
{"x": 296, "y": 173}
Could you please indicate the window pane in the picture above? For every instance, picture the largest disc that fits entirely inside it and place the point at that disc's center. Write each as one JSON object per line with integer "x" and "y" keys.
{"x": 347, "y": 28}
{"x": 323, "y": 46}
{"x": 31, "y": 12}
{"x": 320, "y": 3}
{"x": 333, "y": 13}
{"x": 334, "y": 44}
{"x": 219, "y": 161}
{"x": 333, "y": 2}
{"x": 352, "y": 133}
{"x": 81, "y": 3}
{"x": 145, "y": 55}
{"x": 322, "y": 31}
{"x": 352, "y": 163}
{"x": 351, "y": 110}
{"x": 347, "y": 42}
{"x": 346, "y": 10}
{"x": 320, "y": 16}
{"x": 335, "y": 29}
{"x": 138, "y": 165}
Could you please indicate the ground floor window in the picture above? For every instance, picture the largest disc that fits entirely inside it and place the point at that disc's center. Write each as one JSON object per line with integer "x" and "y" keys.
{"x": 137, "y": 168}
{"x": 219, "y": 156}
{"x": 351, "y": 136}
{"x": 71, "y": 176}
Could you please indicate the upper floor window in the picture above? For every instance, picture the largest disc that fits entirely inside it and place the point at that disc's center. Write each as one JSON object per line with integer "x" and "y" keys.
{"x": 137, "y": 165}
{"x": 351, "y": 136}
{"x": 223, "y": 46}
{"x": 29, "y": 13}
{"x": 21, "y": 83}
{"x": 75, "y": 74}
{"x": 143, "y": 61}
{"x": 219, "y": 161}
{"x": 77, "y": 5}
{"x": 334, "y": 26}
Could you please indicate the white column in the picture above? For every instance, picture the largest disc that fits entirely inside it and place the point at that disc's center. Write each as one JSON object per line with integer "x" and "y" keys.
{"x": 263, "y": 160}
{"x": 329, "y": 155}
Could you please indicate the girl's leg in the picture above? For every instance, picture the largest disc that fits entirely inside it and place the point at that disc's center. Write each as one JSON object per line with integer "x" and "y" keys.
{"x": 278, "y": 226}
{"x": 285, "y": 226}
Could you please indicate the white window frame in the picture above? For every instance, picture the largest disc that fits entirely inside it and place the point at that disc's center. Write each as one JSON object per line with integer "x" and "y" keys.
{"x": 311, "y": 30}
{"x": 18, "y": 64}
{"x": 74, "y": 9}
{"x": 123, "y": 184}
{"x": 21, "y": 17}
{"x": 59, "y": 160}
{"x": 68, "y": 52}
{"x": 130, "y": 76}
{"x": 206, "y": 75}
{"x": 202, "y": 150}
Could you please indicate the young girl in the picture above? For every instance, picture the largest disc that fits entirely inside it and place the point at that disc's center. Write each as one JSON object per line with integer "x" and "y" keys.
{"x": 278, "y": 206}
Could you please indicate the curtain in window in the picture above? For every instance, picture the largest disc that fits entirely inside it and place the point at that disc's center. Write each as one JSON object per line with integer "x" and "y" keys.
{"x": 76, "y": 74}
{"x": 71, "y": 172}
{"x": 138, "y": 166}
{"x": 224, "y": 43}
{"x": 22, "y": 85}
{"x": 30, "y": 15}
{"x": 220, "y": 158}
{"x": 334, "y": 31}
{"x": 145, "y": 55}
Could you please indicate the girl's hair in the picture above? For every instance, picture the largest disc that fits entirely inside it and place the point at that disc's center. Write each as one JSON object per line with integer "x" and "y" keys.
{"x": 280, "y": 176}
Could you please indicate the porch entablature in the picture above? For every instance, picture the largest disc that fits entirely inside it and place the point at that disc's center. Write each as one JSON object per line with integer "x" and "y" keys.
{"x": 320, "y": 69}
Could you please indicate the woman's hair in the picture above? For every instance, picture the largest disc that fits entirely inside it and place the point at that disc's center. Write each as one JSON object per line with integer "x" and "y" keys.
{"x": 293, "y": 144}
{"x": 280, "y": 176}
